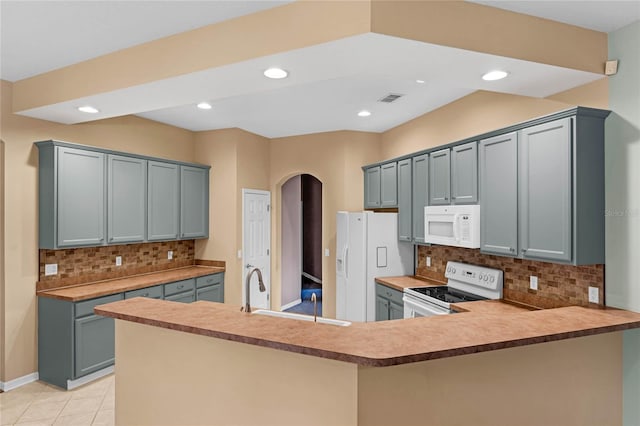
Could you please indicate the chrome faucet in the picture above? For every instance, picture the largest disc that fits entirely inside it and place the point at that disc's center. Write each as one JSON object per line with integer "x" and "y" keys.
{"x": 315, "y": 307}
{"x": 261, "y": 287}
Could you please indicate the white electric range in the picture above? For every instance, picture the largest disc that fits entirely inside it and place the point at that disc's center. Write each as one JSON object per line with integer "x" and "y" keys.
{"x": 465, "y": 283}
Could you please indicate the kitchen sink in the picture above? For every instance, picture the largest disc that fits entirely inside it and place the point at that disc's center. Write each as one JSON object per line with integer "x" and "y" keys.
{"x": 300, "y": 317}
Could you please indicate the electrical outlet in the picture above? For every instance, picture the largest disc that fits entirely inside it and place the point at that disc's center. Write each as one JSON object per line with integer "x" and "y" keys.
{"x": 170, "y": 254}
{"x": 51, "y": 269}
{"x": 118, "y": 260}
{"x": 533, "y": 282}
{"x": 239, "y": 254}
{"x": 428, "y": 262}
{"x": 594, "y": 295}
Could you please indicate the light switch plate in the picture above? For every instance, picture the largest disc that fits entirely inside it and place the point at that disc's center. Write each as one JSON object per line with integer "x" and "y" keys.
{"x": 239, "y": 254}
{"x": 533, "y": 282}
{"x": 326, "y": 253}
{"x": 594, "y": 295}
{"x": 170, "y": 254}
{"x": 611, "y": 67}
{"x": 51, "y": 269}
{"x": 118, "y": 260}
{"x": 428, "y": 261}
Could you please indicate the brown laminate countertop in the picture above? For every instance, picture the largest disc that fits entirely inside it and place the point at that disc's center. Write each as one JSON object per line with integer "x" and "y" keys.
{"x": 380, "y": 344}
{"x": 119, "y": 285}
{"x": 491, "y": 307}
{"x": 400, "y": 283}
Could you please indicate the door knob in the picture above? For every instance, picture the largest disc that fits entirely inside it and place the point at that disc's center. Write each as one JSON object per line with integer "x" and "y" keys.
{"x": 249, "y": 266}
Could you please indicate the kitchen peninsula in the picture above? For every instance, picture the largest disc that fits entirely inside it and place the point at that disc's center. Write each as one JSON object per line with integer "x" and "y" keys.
{"x": 473, "y": 367}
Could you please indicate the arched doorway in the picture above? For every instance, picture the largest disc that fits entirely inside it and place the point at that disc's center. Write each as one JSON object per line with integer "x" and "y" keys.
{"x": 301, "y": 246}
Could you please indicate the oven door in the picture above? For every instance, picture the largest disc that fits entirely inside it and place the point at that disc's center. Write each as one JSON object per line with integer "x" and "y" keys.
{"x": 415, "y": 308}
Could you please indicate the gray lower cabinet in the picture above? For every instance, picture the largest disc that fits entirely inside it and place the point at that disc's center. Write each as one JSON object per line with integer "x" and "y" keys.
{"x": 72, "y": 340}
{"x": 545, "y": 189}
{"x": 440, "y": 177}
{"x": 126, "y": 199}
{"x": 389, "y": 304}
{"x": 499, "y": 186}
{"x": 194, "y": 202}
{"x": 72, "y": 197}
{"x": 210, "y": 288}
{"x": 94, "y": 344}
{"x": 372, "y": 187}
{"x": 405, "y": 187}
{"x": 389, "y": 185}
{"x": 180, "y": 291}
{"x": 464, "y": 173}
{"x": 163, "y": 201}
{"x": 420, "y": 195}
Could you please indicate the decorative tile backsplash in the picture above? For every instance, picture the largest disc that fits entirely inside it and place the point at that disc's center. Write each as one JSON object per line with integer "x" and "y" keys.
{"x": 558, "y": 285}
{"x": 82, "y": 265}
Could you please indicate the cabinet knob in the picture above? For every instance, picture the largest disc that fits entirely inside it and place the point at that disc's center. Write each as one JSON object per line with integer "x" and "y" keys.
{"x": 511, "y": 249}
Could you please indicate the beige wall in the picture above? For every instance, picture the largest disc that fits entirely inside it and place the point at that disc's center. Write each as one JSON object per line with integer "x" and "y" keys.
{"x": 570, "y": 382}
{"x": 238, "y": 160}
{"x": 2, "y": 308}
{"x": 335, "y": 159}
{"x": 131, "y": 134}
{"x": 482, "y": 112}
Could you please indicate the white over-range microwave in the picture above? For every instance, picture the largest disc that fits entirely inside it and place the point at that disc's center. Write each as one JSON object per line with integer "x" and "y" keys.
{"x": 457, "y": 226}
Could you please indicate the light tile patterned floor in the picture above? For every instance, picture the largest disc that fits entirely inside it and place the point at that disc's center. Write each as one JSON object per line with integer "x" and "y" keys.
{"x": 41, "y": 404}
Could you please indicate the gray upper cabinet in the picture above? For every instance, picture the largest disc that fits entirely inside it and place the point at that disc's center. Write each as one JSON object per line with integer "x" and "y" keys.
{"x": 464, "y": 173}
{"x": 194, "y": 202}
{"x": 440, "y": 177}
{"x": 420, "y": 195}
{"x": 545, "y": 186}
{"x": 499, "y": 186}
{"x": 163, "y": 200}
{"x": 72, "y": 197}
{"x": 89, "y": 196}
{"x": 389, "y": 185}
{"x": 405, "y": 224}
{"x": 126, "y": 194}
{"x": 372, "y": 187}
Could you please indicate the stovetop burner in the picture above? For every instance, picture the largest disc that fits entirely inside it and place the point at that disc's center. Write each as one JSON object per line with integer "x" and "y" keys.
{"x": 447, "y": 294}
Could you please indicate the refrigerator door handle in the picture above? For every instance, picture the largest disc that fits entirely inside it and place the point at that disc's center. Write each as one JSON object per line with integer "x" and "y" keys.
{"x": 346, "y": 262}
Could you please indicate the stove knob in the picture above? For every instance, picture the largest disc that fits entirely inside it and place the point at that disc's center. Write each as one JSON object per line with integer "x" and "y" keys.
{"x": 486, "y": 277}
{"x": 480, "y": 277}
{"x": 453, "y": 270}
{"x": 492, "y": 279}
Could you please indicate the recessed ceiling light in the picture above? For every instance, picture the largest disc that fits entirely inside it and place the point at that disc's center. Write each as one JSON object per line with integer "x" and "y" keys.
{"x": 420, "y": 81}
{"x": 364, "y": 113}
{"x": 275, "y": 73}
{"x": 204, "y": 105}
{"x": 495, "y": 75}
{"x": 88, "y": 109}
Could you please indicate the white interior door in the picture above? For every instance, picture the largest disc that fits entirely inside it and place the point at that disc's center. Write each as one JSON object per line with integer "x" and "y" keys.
{"x": 256, "y": 245}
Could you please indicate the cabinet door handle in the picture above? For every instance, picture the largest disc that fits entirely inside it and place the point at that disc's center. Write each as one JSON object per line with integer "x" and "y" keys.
{"x": 180, "y": 286}
{"x": 511, "y": 249}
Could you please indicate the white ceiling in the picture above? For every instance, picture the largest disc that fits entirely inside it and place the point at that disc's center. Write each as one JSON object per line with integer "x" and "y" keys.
{"x": 328, "y": 84}
{"x": 599, "y": 15}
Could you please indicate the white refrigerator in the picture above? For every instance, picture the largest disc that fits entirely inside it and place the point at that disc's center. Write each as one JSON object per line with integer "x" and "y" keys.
{"x": 367, "y": 247}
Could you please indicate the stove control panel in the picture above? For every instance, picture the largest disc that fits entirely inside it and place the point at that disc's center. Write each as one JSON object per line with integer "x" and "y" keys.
{"x": 478, "y": 276}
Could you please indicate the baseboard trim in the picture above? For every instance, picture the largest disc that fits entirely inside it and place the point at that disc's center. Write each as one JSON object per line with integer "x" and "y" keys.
{"x": 291, "y": 305}
{"x": 72, "y": 384}
{"x": 20, "y": 381}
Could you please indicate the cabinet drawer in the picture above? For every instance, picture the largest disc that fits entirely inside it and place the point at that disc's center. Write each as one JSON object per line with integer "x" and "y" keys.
{"x": 86, "y": 307}
{"x": 187, "y": 297}
{"x": 153, "y": 292}
{"x": 209, "y": 280}
{"x": 179, "y": 287}
{"x": 389, "y": 293}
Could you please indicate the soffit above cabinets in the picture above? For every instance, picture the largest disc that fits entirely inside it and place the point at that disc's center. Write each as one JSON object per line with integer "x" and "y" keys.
{"x": 328, "y": 84}
{"x": 335, "y": 71}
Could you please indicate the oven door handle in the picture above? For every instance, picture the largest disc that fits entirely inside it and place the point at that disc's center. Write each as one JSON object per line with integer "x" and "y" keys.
{"x": 423, "y": 306}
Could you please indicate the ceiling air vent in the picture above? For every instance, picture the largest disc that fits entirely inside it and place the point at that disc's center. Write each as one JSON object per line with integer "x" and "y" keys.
{"x": 391, "y": 97}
